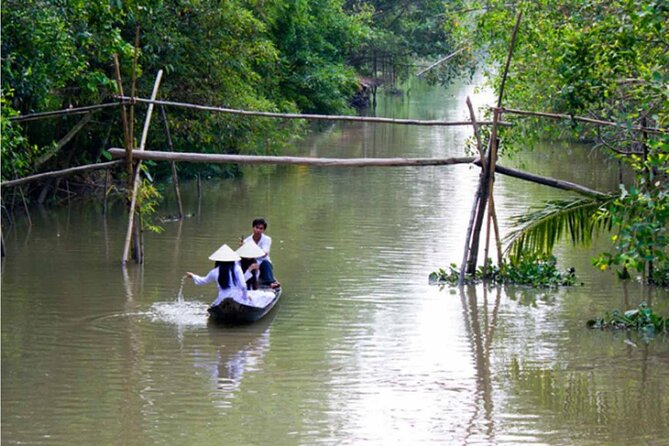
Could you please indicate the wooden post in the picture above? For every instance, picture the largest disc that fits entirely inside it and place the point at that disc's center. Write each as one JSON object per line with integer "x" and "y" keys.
{"x": 492, "y": 159}
{"x": 487, "y": 174}
{"x": 175, "y": 177}
{"x": 136, "y": 176}
{"x": 131, "y": 124}
{"x": 124, "y": 118}
{"x": 199, "y": 194}
{"x": 104, "y": 192}
{"x": 477, "y": 195}
{"x": 25, "y": 206}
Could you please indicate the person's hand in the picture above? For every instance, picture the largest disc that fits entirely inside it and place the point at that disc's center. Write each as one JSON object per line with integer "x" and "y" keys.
{"x": 254, "y": 266}
{"x": 189, "y": 274}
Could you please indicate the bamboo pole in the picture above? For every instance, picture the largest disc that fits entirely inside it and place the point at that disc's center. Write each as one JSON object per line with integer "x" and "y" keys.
{"x": 60, "y": 173}
{"x": 199, "y": 195}
{"x": 127, "y": 138}
{"x": 498, "y": 239}
{"x": 25, "y": 207}
{"x": 492, "y": 156}
{"x": 308, "y": 116}
{"x": 351, "y": 162}
{"x": 175, "y": 176}
{"x": 104, "y": 193}
{"x": 477, "y": 195}
{"x": 636, "y": 128}
{"x": 131, "y": 123}
{"x": 488, "y": 177}
{"x": 64, "y": 140}
{"x": 548, "y": 181}
{"x": 291, "y": 160}
{"x": 440, "y": 61}
{"x": 133, "y": 93}
{"x": 66, "y": 111}
{"x": 133, "y": 200}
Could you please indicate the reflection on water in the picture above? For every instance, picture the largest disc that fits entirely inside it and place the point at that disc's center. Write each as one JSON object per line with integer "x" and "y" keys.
{"x": 361, "y": 349}
{"x": 239, "y": 351}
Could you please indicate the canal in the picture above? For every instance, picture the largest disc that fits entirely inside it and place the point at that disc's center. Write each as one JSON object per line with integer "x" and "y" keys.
{"x": 361, "y": 349}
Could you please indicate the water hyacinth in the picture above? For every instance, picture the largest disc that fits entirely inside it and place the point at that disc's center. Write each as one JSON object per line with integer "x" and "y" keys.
{"x": 537, "y": 271}
{"x": 642, "y": 319}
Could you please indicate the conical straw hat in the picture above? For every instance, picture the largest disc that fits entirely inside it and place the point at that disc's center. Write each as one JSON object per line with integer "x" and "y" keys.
{"x": 250, "y": 250}
{"x": 224, "y": 254}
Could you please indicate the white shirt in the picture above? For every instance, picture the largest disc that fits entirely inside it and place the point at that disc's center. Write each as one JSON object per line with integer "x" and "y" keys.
{"x": 238, "y": 293}
{"x": 265, "y": 243}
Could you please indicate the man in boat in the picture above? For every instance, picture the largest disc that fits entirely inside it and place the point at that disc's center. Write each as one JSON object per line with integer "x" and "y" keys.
{"x": 264, "y": 242}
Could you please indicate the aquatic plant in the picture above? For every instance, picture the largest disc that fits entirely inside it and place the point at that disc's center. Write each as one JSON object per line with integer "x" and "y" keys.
{"x": 642, "y": 319}
{"x": 538, "y": 271}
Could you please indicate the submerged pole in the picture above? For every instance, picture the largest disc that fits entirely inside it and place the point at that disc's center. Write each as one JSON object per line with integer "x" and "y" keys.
{"x": 175, "y": 176}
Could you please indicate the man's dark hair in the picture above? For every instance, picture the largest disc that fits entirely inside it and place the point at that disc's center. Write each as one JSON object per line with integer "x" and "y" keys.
{"x": 259, "y": 221}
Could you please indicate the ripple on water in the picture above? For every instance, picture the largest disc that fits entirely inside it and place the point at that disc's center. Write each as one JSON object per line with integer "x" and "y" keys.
{"x": 182, "y": 313}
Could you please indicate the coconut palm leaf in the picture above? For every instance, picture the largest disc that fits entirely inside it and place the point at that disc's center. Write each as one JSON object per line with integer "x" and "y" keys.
{"x": 538, "y": 231}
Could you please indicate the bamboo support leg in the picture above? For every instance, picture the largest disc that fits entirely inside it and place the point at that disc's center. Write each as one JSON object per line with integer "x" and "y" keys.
{"x": 25, "y": 206}
{"x": 470, "y": 225}
{"x": 104, "y": 193}
{"x": 175, "y": 176}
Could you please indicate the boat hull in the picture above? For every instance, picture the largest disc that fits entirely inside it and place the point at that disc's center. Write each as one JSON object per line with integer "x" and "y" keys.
{"x": 229, "y": 311}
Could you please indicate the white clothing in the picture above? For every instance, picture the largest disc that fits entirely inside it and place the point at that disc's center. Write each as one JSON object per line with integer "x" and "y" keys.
{"x": 248, "y": 274}
{"x": 261, "y": 297}
{"x": 237, "y": 292}
{"x": 265, "y": 243}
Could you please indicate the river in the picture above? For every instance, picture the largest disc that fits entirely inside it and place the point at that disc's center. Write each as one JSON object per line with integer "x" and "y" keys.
{"x": 361, "y": 349}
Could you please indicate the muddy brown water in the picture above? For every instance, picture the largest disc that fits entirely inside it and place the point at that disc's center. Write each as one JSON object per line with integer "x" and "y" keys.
{"x": 361, "y": 349}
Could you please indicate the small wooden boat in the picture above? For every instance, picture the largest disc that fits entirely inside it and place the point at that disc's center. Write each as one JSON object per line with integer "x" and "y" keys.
{"x": 229, "y": 311}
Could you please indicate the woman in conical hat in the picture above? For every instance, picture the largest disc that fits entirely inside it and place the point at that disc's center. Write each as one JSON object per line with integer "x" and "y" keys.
{"x": 248, "y": 252}
{"x": 228, "y": 275}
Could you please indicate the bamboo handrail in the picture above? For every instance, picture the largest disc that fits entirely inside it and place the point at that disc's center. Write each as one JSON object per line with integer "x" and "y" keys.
{"x": 348, "y": 162}
{"x": 636, "y": 128}
{"x": 289, "y": 160}
{"x": 59, "y": 173}
{"x": 546, "y": 181}
{"x": 66, "y": 111}
{"x": 307, "y": 116}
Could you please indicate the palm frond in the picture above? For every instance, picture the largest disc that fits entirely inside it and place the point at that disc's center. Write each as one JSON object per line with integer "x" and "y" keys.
{"x": 538, "y": 231}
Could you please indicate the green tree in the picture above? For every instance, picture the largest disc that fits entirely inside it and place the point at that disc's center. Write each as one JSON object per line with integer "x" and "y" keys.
{"x": 314, "y": 39}
{"x": 403, "y": 32}
{"x": 605, "y": 59}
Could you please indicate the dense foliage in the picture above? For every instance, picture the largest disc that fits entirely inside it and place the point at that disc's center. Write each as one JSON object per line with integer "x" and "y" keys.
{"x": 282, "y": 56}
{"x": 287, "y": 56}
{"x": 607, "y": 60}
{"x": 404, "y": 32}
